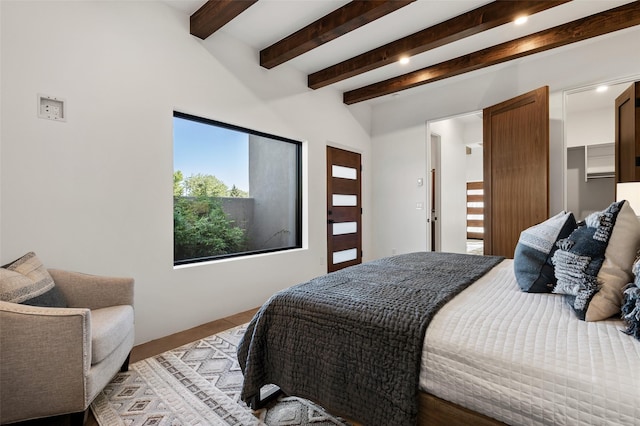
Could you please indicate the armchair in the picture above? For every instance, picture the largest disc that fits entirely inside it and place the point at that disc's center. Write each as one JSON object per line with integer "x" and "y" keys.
{"x": 55, "y": 361}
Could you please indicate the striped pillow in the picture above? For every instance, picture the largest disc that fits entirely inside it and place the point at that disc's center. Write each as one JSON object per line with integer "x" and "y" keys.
{"x": 27, "y": 281}
{"x": 593, "y": 265}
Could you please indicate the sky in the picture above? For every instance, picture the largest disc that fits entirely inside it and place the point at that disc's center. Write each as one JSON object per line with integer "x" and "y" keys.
{"x": 212, "y": 150}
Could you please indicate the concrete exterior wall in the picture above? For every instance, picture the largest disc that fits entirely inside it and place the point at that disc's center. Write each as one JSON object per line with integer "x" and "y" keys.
{"x": 272, "y": 186}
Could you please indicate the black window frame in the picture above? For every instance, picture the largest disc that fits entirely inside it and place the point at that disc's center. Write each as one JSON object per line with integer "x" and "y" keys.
{"x": 299, "y": 183}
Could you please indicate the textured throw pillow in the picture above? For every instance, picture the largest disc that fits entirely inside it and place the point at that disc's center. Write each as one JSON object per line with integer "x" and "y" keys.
{"x": 532, "y": 259}
{"x": 631, "y": 303}
{"x": 593, "y": 265}
{"x": 27, "y": 281}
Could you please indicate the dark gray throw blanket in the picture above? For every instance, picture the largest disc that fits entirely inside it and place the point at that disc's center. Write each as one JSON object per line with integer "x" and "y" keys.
{"x": 352, "y": 340}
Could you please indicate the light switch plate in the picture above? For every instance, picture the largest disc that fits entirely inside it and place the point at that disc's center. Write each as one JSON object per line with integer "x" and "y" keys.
{"x": 51, "y": 108}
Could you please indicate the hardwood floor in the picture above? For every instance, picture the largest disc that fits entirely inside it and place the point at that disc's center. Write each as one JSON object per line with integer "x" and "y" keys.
{"x": 156, "y": 347}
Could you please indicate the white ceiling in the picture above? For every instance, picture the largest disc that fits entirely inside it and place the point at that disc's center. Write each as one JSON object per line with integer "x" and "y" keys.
{"x": 268, "y": 21}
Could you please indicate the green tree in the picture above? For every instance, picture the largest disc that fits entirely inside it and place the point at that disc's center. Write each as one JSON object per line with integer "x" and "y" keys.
{"x": 237, "y": 192}
{"x": 201, "y": 229}
{"x": 178, "y": 186}
{"x": 200, "y": 185}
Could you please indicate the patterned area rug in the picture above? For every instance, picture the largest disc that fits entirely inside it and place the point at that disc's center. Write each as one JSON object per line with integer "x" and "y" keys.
{"x": 196, "y": 384}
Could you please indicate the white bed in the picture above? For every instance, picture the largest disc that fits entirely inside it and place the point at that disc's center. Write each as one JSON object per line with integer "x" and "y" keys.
{"x": 526, "y": 359}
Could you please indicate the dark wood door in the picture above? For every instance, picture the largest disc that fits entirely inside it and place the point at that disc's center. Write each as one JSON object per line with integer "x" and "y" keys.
{"x": 516, "y": 169}
{"x": 627, "y": 139}
{"x": 344, "y": 209}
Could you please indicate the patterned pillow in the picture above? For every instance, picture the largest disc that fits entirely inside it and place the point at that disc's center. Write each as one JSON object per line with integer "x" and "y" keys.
{"x": 593, "y": 265}
{"x": 27, "y": 281}
{"x": 532, "y": 259}
{"x": 631, "y": 303}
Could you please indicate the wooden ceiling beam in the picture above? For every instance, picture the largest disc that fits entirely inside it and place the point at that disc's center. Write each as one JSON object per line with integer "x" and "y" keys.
{"x": 214, "y": 14}
{"x": 347, "y": 18}
{"x": 616, "y": 19}
{"x": 473, "y": 22}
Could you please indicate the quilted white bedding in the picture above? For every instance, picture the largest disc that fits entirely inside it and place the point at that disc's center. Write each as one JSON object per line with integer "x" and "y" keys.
{"x": 525, "y": 359}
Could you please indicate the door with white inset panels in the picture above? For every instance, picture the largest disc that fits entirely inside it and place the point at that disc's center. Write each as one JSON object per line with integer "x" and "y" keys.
{"x": 344, "y": 209}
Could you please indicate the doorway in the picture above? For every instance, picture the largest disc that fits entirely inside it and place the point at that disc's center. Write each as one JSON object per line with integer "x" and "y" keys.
{"x": 434, "y": 188}
{"x": 455, "y": 144}
{"x": 589, "y": 129}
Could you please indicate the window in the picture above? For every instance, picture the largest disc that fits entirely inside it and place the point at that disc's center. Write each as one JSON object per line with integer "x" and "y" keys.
{"x": 235, "y": 191}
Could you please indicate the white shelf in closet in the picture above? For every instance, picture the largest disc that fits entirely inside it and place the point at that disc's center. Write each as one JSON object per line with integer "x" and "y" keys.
{"x": 599, "y": 161}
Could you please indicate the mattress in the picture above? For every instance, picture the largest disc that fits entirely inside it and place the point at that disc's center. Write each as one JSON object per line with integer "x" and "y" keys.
{"x": 525, "y": 359}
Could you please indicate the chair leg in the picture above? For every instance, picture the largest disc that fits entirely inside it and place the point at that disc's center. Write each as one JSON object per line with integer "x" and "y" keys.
{"x": 125, "y": 365}
{"x": 79, "y": 418}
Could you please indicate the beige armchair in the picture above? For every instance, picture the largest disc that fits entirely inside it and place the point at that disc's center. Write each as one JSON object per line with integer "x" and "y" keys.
{"x": 55, "y": 361}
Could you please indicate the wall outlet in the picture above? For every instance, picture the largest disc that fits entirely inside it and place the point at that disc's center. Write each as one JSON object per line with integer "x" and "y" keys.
{"x": 51, "y": 108}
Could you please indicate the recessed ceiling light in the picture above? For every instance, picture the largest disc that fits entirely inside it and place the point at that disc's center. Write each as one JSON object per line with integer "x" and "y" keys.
{"x": 521, "y": 20}
{"x": 601, "y": 89}
{"x": 404, "y": 60}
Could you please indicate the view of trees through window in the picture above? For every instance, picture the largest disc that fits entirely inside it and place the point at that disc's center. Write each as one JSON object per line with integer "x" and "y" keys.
{"x": 236, "y": 191}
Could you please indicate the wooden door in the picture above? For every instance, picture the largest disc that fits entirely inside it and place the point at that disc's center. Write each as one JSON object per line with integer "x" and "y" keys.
{"x": 344, "y": 209}
{"x": 627, "y": 138}
{"x": 516, "y": 169}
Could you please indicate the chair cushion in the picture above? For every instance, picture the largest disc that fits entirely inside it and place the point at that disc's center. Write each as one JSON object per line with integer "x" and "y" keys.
{"x": 109, "y": 327}
{"x": 27, "y": 281}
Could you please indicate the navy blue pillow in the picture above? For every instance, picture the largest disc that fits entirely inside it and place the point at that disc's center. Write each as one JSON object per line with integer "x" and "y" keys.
{"x": 532, "y": 264}
{"x": 580, "y": 256}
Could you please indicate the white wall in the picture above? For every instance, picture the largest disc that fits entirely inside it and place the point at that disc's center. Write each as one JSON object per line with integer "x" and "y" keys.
{"x": 473, "y": 163}
{"x": 591, "y": 127}
{"x": 601, "y": 59}
{"x": 398, "y": 164}
{"x": 94, "y": 193}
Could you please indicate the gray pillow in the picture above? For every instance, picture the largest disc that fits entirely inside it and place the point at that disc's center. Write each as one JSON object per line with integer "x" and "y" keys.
{"x": 27, "y": 281}
{"x": 532, "y": 259}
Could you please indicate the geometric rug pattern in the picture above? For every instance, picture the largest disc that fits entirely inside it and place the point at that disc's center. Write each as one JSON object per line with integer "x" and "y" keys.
{"x": 196, "y": 384}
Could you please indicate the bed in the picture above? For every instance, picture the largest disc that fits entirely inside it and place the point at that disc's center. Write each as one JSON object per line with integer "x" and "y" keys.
{"x": 489, "y": 354}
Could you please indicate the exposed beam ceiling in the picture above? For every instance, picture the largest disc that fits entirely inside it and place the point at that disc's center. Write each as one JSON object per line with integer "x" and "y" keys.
{"x": 473, "y": 22}
{"x": 214, "y": 14}
{"x": 339, "y": 22}
{"x": 592, "y": 26}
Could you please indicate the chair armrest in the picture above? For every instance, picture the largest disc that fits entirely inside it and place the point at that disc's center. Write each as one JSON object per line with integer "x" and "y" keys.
{"x": 93, "y": 291}
{"x": 46, "y": 356}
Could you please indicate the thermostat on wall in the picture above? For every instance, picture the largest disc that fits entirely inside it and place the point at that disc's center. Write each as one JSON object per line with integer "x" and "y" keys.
{"x": 51, "y": 108}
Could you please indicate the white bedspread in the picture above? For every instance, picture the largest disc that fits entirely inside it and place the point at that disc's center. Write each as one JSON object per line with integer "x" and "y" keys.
{"x": 525, "y": 359}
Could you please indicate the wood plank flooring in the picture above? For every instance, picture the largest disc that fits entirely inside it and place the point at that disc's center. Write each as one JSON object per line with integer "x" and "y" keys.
{"x": 156, "y": 347}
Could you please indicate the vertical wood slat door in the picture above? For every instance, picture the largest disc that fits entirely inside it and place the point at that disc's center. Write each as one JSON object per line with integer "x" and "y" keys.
{"x": 627, "y": 138}
{"x": 516, "y": 169}
{"x": 344, "y": 209}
